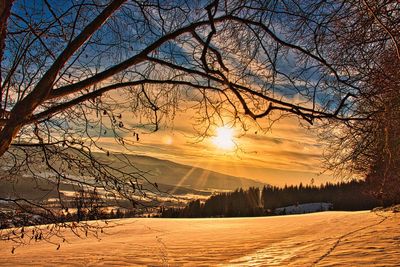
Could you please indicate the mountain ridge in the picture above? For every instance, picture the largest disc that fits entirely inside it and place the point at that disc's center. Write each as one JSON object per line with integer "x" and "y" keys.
{"x": 194, "y": 177}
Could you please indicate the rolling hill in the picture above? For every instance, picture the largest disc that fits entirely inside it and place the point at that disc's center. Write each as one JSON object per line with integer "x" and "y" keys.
{"x": 175, "y": 174}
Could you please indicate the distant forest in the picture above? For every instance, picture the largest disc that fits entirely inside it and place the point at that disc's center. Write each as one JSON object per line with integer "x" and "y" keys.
{"x": 259, "y": 202}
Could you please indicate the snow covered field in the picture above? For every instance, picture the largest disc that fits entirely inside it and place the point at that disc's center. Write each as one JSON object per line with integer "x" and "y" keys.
{"x": 318, "y": 239}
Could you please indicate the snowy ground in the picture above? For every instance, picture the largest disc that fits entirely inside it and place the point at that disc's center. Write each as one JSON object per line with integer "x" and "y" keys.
{"x": 319, "y": 239}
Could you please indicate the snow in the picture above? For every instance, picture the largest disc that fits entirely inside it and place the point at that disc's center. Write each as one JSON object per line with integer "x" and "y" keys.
{"x": 304, "y": 208}
{"x": 317, "y": 239}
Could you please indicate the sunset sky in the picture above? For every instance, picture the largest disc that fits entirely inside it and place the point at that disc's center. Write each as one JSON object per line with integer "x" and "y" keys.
{"x": 287, "y": 154}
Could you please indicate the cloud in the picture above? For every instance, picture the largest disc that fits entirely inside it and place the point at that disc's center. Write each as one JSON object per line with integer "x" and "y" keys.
{"x": 288, "y": 153}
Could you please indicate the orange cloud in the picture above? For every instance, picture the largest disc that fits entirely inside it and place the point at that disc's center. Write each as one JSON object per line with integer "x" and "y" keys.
{"x": 286, "y": 154}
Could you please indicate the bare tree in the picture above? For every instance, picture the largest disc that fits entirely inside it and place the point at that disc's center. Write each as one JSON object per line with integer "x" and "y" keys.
{"x": 187, "y": 43}
{"x": 368, "y": 148}
{"x": 72, "y": 72}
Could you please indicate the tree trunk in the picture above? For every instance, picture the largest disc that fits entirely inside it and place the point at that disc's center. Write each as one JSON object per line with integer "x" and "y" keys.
{"x": 24, "y": 109}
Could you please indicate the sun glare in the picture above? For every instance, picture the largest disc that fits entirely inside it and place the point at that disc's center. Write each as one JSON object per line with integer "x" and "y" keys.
{"x": 223, "y": 138}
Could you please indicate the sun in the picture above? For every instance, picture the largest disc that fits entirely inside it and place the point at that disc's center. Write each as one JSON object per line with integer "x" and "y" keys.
{"x": 224, "y": 138}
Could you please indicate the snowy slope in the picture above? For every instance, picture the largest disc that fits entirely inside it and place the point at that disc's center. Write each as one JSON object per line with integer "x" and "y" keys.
{"x": 318, "y": 239}
{"x": 304, "y": 208}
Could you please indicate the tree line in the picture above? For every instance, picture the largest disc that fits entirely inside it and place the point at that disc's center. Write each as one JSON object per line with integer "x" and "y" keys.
{"x": 348, "y": 196}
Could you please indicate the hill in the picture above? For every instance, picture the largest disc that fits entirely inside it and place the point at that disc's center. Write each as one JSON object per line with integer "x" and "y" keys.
{"x": 175, "y": 174}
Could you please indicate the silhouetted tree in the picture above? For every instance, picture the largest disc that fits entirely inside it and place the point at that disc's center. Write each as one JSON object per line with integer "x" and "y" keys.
{"x": 369, "y": 148}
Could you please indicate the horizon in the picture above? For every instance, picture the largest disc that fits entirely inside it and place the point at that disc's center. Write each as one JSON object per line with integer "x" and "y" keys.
{"x": 286, "y": 153}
